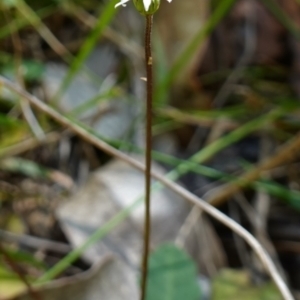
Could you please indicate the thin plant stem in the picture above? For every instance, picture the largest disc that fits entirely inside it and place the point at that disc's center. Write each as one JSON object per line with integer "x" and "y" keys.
{"x": 86, "y": 134}
{"x": 147, "y": 224}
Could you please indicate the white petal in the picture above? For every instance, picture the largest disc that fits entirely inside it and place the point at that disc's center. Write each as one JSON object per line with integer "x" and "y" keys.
{"x": 147, "y": 4}
{"x": 169, "y": 0}
{"x": 122, "y": 2}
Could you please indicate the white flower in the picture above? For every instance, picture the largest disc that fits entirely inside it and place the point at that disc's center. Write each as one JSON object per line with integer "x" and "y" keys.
{"x": 147, "y": 3}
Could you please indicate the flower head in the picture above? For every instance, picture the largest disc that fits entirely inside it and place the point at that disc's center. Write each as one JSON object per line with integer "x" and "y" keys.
{"x": 144, "y": 6}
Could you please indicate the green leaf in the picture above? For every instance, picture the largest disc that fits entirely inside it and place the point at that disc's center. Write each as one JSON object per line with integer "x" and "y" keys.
{"x": 236, "y": 285}
{"x": 23, "y": 166}
{"x": 10, "y": 283}
{"x": 31, "y": 70}
{"x": 8, "y": 3}
{"x": 172, "y": 275}
{"x": 12, "y": 131}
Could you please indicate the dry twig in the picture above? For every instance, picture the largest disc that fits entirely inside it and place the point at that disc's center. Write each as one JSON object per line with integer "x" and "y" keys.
{"x": 213, "y": 212}
{"x": 285, "y": 154}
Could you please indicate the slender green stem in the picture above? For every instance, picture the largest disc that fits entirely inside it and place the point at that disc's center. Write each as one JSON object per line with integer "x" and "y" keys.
{"x": 147, "y": 225}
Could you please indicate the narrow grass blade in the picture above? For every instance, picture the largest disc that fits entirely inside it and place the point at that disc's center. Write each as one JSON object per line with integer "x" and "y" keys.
{"x": 282, "y": 17}
{"x": 20, "y": 22}
{"x": 221, "y": 10}
{"x": 104, "y": 19}
{"x": 200, "y": 157}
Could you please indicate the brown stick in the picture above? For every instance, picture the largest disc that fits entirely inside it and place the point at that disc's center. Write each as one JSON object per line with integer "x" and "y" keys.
{"x": 147, "y": 224}
{"x": 284, "y": 155}
{"x": 238, "y": 229}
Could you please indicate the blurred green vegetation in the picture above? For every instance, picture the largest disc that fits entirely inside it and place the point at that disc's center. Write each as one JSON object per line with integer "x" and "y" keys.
{"x": 272, "y": 103}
